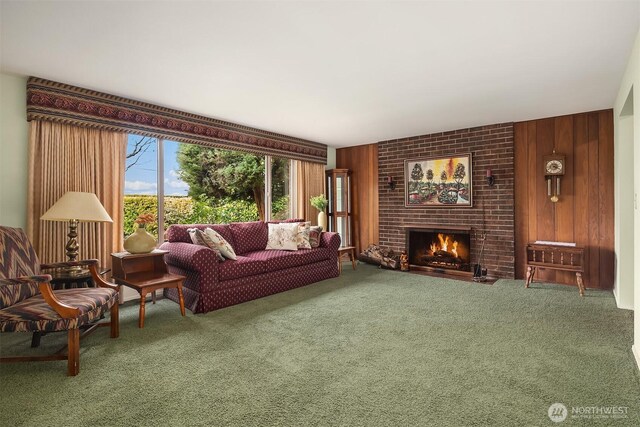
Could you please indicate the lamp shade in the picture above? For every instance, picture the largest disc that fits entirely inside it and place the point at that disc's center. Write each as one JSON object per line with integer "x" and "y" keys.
{"x": 79, "y": 206}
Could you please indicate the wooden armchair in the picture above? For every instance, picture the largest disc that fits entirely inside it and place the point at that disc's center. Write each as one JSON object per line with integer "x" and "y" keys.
{"x": 28, "y": 304}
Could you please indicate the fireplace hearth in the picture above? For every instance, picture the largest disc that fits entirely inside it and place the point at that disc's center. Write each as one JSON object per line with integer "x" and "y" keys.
{"x": 440, "y": 249}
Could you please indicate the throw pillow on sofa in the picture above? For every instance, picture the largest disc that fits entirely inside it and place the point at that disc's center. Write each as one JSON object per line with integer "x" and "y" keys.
{"x": 249, "y": 236}
{"x": 314, "y": 236}
{"x": 302, "y": 238}
{"x": 283, "y": 237}
{"x": 221, "y": 244}
{"x": 200, "y": 238}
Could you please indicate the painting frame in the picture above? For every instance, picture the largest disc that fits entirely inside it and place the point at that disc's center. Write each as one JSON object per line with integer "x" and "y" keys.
{"x": 434, "y": 192}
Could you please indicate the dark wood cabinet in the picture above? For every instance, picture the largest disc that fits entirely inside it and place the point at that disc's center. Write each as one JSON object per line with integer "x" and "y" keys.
{"x": 339, "y": 216}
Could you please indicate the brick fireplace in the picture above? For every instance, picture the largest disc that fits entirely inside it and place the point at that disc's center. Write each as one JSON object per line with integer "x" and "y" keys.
{"x": 491, "y": 147}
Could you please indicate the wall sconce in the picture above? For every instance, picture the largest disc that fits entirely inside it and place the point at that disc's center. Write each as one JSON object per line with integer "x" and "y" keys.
{"x": 491, "y": 180}
{"x": 391, "y": 183}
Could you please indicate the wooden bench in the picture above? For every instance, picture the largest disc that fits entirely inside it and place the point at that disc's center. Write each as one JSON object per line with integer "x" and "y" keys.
{"x": 555, "y": 257}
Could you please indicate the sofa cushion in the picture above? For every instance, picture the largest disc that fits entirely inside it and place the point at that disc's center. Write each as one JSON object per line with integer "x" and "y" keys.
{"x": 198, "y": 237}
{"x": 314, "y": 236}
{"x": 302, "y": 238}
{"x": 279, "y": 260}
{"x": 261, "y": 262}
{"x": 220, "y": 243}
{"x": 249, "y": 236}
{"x": 241, "y": 267}
{"x": 283, "y": 236}
{"x": 180, "y": 233}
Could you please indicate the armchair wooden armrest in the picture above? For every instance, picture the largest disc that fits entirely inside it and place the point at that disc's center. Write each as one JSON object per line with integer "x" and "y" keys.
{"x": 99, "y": 280}
{"x": 64, "y": 310}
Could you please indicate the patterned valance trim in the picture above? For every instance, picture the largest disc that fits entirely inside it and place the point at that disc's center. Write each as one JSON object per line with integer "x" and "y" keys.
{"x": 47, "y": 100}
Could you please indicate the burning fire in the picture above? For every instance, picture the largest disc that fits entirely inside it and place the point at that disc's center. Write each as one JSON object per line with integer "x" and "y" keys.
{"x": 444, "y": 245}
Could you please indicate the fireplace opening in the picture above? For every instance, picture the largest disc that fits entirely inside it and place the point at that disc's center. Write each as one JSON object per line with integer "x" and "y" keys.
{"x": 440, "y": 249}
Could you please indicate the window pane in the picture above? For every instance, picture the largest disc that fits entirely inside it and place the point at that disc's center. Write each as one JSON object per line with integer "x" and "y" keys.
{"x": 178, "y": 206}
{"x": 280, "y": 188}
{"x": 141, "y": 182}
{"x": 211, "y": 186}
{"x": 339, "y": 194}
{"x": 342, "y": 230}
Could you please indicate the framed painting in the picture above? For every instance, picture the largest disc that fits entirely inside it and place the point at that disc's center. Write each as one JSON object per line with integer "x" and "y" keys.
{"x": 438, "y": 182}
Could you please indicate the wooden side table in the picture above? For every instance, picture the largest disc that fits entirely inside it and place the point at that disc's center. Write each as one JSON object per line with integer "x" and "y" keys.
{"x": 555, "y": 257}
{"x": 145, "y": 273}
{"x": 349, "y": 251}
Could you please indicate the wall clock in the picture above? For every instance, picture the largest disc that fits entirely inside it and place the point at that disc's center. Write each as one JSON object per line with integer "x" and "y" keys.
{"x": 554, "y": 168}
{"x": 554, "y": 165}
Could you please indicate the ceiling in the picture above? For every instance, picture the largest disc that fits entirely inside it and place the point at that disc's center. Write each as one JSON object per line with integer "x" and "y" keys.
{"x": 340, "y": 73}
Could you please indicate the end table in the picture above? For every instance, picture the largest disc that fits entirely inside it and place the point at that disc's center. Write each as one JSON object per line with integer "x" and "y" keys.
{"x": 145, "y": 273}
{"x": 350, "y": 251}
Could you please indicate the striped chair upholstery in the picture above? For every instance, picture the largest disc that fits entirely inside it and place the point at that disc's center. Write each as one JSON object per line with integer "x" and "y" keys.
{"x": 17, "y": 259}
{"x": 35, "y": 315}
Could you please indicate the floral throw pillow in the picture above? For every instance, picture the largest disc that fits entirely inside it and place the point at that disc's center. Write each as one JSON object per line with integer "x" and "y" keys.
{"x": 220, "y": 243}
{"x": 200, "y": 238}
{"x": 314, "y": 236}
{"x": 302, "y": 238}
{"x": 283, "y": 236}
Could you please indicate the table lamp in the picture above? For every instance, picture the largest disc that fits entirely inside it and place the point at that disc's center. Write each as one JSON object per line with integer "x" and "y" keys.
{"x": 75, "y": 206}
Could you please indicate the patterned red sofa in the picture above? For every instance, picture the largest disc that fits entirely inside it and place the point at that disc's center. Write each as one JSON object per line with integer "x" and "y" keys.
{"x": 211, "y": 284}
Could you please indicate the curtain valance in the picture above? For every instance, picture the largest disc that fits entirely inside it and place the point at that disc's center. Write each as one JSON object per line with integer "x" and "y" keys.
{"x": 47, "y": 100}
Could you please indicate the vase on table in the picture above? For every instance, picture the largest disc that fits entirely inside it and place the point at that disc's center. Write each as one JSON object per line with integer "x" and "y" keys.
{"x": 322, "y": 220}
{"x": 140, "y": 242}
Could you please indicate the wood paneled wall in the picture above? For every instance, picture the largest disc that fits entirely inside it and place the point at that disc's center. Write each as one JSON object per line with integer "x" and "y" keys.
{"x": 362, "y": 160}
{"x": 584, "y": 214}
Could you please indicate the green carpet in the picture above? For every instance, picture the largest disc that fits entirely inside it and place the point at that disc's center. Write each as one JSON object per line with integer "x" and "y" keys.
{"x": 371, "y": 348}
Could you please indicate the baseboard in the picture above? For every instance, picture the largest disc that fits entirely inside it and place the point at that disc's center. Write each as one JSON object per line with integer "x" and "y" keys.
{"x": 619, "y": 305}
{"x": 636, "y": 354}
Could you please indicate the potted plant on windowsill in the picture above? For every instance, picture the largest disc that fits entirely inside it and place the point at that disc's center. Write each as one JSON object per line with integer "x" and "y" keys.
{"x": 320, "y": 202}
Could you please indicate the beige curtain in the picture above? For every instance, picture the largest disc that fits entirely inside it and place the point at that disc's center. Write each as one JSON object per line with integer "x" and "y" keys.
{"x": 310, "y": 182}
{"x": 70, "y": 158}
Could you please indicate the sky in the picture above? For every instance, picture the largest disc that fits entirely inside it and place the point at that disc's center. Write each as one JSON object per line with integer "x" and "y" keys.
{"x": 142, "y": 177}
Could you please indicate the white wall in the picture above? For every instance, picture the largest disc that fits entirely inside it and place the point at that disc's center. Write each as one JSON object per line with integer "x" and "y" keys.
{"x": 624, "y": 210}
{"x": 628, "y": 268}
{"x": 13, "y": 150}
{"x": 331, "y": 158}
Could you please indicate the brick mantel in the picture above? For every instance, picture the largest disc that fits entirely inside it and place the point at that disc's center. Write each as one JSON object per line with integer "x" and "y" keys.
{"x": 435, "y": 227}
{"x": 493, "y": 207}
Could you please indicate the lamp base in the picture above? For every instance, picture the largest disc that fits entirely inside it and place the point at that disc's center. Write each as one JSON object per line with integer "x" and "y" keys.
{"x": 72, "y": 245}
